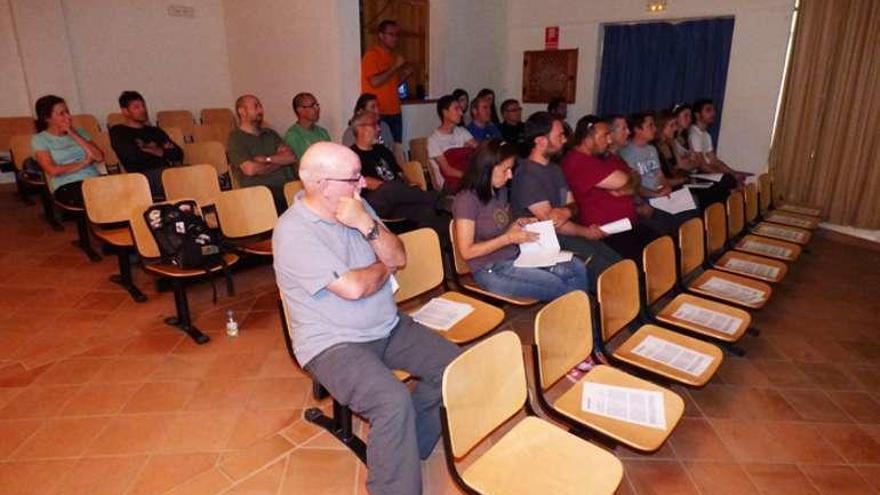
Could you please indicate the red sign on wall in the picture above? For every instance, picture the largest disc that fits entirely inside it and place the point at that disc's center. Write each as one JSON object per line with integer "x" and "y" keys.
{"x": 551, "y": 38}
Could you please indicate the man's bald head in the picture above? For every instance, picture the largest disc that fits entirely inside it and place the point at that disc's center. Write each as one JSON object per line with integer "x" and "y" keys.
{"x": 247, "y": 107}
{"x": 325, "y": 159}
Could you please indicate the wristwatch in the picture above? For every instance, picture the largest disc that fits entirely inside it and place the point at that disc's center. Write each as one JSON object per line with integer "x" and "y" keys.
{"x": 268, "y": 159}
{"x": 373, "y": 234}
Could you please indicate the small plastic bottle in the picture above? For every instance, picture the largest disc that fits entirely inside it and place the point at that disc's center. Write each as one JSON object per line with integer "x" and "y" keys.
{"x": 231, "y": 324}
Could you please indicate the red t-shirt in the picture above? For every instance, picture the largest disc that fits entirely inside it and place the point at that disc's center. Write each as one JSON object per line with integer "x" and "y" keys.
{"x": 596, "y": 205}
{"x": 459, "y": 159}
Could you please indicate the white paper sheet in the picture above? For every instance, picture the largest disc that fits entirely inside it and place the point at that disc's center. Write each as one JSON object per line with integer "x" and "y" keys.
{"x": 632, "y": 405}
{"x": 394, "y": 285}
{"x": 542, "y": 252}
{"x": 616, "y": 226}
{"x": 782, "y": 232}
{"x": 802, "y": 210}
{"x": 708, "y": 318}
{"x": 676, "y": 202}
{"x": 673, "y": 355}
{"x": 712, "y": 177}
{"x": 768, "y": 249}
{"x": 732, "y": 290}
{"x": 698, "y": 185}
{"x": 787, "y": 220}
{"x": 752, "y": 268}
{"x": 442, "y": 314}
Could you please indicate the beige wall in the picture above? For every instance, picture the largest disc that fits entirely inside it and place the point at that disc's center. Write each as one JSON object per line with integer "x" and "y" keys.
{"x": 88, "y": 51}
{"x": 757, "y": 57}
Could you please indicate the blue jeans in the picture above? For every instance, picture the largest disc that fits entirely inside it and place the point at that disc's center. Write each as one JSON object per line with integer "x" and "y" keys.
{"x": 545, "y": 284}
{"x": 395, "y": 123}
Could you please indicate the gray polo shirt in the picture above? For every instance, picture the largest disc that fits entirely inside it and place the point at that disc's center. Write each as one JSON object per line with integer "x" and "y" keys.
{"x": 310, "y": 253}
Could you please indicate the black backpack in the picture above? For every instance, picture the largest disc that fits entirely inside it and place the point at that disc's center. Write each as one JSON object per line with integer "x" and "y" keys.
{"x": 185, "y": 240}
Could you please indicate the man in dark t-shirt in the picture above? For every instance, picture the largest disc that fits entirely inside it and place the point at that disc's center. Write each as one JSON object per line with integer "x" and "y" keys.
{"x": 141, "y": 147}
{"x": 386, "y": 189}
{"x": 512, "y": 127}
{"x": 540, "y": 190}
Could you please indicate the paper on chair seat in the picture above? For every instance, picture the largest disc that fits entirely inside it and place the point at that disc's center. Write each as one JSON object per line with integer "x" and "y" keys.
{"x": 673, "y": 355}
{"x": 788, "y": 220}
{"x": 632, "y": 405}
{"x": 813, "y": 212}
{"x": 616, "y": 226}
{"x": 442, "y": 314}
{"x": 762, "y": 248}
{"x": 782, "y": 232}
{"x": 712, "y": 177}
{"x": 698, "y": 185}
{"x": 543, "y": 252}
{"x": 676, "y": 202}
{"x": 708, "y": 318}
{"x": 752, "y": 268}
{"x": 732, "y": 290}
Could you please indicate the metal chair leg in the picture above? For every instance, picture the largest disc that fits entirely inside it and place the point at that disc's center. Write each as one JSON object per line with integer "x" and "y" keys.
{"x": 182, "y": 320}
{"x": 82, "y": 242}
{"x": 124, "y": 278}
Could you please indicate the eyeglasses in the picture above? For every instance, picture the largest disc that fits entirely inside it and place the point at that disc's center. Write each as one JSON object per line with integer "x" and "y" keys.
{"x": 516, "y": 109}
{"x": 349, "y": 180}
{"x": 313, "y": 105}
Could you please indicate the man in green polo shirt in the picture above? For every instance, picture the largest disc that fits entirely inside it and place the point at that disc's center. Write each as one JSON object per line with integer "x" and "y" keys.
{"x": 257, "y": 154}
{"x": 305, "y": 131}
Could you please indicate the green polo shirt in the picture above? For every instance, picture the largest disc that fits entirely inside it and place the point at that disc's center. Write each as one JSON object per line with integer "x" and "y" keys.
{"x": 299, "y": 138}
{"x": 243, "y": 146}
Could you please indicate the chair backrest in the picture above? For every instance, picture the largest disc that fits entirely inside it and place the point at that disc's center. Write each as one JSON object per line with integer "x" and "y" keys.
{"x": 12, "y": 126}
{"x": 482, "y": 388}
{"x": 716, "y": 228}
{"x": 416, "y": 174}
{"x": 751, "y": 201}
{"x": 102, "y": 141}
{"x": 658, "y": 263}
{"x": 735, "y": 214}
{"x": 461, "y": 266}
{"x": 563, "y": 336}
{"x": 247, "y": 211}
{"x": 110, "y": 198}
{"x": 114, "y": 118}
{"x": 690, "y": 245}
{"x": 182, "y": 119}
{"x": 765, "y": 193}
{"x": 418, "y": 150}
{"x": 176, "y": 135}
{"x": 86, "y": 122}
{"x": 198, "y": 182}
{"x": 211, "y": 132}
{"x": 20, "y": 147}
{"x": 424, "y": 264}
{"x": 618, "y": 293}
{"x": 222, "y": 116}
{"x": 211, "y": 152}
{"x": 290, "y": 190}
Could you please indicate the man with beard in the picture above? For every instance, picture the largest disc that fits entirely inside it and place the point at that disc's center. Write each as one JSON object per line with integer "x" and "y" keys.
{"x": 141, "y": 147}
{"x": 540, "y": 190}
{"x": 257, "y": 155}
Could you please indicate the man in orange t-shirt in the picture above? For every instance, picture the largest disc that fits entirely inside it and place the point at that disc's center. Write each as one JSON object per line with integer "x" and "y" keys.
{"x": 382, "y": 71}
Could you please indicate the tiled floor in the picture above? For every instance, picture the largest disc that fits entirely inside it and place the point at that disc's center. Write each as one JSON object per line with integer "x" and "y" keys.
{"x": 98, "y": 396}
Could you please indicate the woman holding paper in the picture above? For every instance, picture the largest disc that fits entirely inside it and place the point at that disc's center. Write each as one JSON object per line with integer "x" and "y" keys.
{"x": 488, "y": 238}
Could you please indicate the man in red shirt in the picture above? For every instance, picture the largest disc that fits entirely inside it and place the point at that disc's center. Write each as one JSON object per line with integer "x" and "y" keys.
{"x": 382, "y": 71}
{"x": 603, "y": 185}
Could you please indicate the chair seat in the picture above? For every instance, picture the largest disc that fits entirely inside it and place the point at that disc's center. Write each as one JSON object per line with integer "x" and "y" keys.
{"x": 696, "y": 286}
{"x": 634, "y": 435}
{"x": 625, "y": 353}
{"x": 666, "y": 315}
{"x": 120, "y": 237}
{"x": 260, "y": 248}
{"x": 792, "y": 220}
{"x": 467, "y": 281}
{"x": 538, "y": 457}
{"x": 169, "y": 270}
{"x": 782, "y": 232}
{"x": 810, "y": 211}
{"x": 752, "y": 266}
{"x": 482, "y": 320}
{"x": 771, "y": 248}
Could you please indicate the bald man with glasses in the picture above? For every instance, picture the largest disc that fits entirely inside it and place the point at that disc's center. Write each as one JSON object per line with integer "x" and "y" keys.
{"x": 333, "y": 263}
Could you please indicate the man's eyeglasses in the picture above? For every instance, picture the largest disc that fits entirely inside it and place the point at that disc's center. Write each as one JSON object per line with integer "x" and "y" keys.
{"x": 313, "y": 105}
{"x": 514, "y": 109}
{"x": 349, "y": 180}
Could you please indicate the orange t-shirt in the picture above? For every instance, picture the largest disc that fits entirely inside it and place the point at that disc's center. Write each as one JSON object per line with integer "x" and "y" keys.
{"x": 376, "y": 61}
